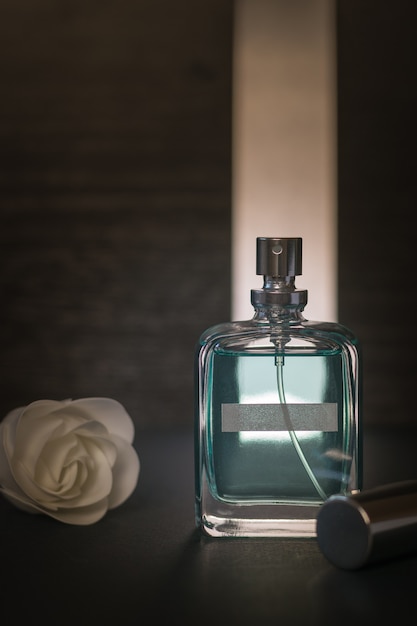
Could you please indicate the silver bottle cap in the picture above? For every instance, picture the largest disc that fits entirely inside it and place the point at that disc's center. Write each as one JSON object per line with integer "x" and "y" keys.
{"x": 279, "y": 256}
{"x": 279, "y": 260}
{"x": 370, "y": 526}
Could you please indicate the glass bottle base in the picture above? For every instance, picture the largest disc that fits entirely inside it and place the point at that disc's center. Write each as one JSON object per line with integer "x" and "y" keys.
{"x": 236, "y": 527}
{"x": 221, "y": 519}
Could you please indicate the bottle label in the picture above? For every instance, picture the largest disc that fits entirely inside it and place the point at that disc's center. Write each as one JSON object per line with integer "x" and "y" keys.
{"x": 264, "y": 417}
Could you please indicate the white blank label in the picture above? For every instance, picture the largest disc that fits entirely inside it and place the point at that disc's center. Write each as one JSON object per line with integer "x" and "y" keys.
{"x": 259, "y": 417}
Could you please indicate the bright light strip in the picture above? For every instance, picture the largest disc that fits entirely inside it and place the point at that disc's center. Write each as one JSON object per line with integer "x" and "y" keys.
{"x": 284, "y": 144}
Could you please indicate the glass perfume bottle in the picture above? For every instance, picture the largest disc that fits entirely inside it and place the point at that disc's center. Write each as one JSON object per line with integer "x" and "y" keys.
{"x": 278, "y": 425}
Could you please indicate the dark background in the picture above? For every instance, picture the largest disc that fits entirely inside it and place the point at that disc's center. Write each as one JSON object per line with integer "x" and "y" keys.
{"x": 115, "y": 203}
{"x": 115, "y": 198}
{"x": 377, "y": 104}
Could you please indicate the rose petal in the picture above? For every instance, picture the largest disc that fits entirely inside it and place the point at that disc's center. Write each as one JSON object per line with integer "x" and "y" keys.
{"x": 110, "y": 413}
{"x": 105, "y": 442}
{"x": 58, "y": 468}
{"x": 21, "y": 501}
{"x": 99, "y": 480}
{"x": 6, "y": 477}
{"x": 82, "y": 516}
{"x": 125, "y": 473}
{"x": 37, "y": 431}
{"x": 8, "y": 430}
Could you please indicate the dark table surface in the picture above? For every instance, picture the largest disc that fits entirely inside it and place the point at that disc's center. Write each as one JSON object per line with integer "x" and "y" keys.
{"x": 146, "y": 561}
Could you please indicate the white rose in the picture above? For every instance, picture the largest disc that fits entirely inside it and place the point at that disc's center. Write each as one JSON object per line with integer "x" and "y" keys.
{"x": 71, "y": 459}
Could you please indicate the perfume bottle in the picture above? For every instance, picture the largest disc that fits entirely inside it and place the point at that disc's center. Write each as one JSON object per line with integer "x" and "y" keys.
{"x": 277, "y": 424}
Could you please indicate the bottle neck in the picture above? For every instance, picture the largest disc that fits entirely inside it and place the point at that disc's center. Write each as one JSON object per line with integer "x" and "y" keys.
{"x": 278, "y": 315}
{"x": 278, "y": 301}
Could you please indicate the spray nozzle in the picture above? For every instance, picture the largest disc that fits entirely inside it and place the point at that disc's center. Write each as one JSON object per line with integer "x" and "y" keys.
{"x": 279, "y": 256}
{"x": 279, "y": 260}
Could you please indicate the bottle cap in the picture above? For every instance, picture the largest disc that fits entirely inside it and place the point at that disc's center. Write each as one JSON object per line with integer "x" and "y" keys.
{"x": 279, "y": 260}
{"x": 279, "y": 256}
{"x": 369, "y": 526}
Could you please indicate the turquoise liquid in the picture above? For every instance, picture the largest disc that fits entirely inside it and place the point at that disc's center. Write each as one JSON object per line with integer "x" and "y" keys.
{"x": 263, "y": 465}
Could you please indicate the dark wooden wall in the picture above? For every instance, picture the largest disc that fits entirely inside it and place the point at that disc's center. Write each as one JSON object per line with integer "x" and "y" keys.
{"x": 377, "y": 109}
{"x": 115, "y": 176}
{"x": 115, "y": 198}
